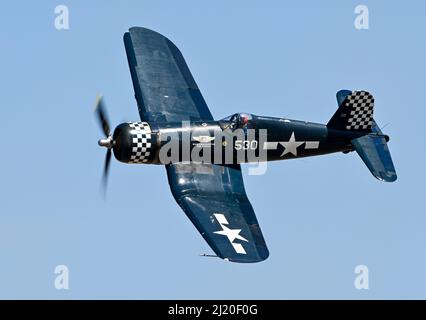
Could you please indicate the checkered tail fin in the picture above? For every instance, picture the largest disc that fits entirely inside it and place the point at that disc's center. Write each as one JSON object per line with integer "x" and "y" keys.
{"x": 355, "y": 111}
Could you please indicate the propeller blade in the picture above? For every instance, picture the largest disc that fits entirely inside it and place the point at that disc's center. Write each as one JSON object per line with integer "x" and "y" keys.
{"x": 106, "y": 171}
{"x": 101, "y": 115}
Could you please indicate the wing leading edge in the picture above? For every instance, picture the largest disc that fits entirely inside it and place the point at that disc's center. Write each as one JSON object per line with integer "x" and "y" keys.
{"x": 164, "y": 87}
{"x": 214, "y": 199}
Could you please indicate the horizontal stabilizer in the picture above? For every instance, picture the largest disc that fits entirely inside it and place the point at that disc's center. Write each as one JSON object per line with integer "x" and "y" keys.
{"x": 373, "y": 150}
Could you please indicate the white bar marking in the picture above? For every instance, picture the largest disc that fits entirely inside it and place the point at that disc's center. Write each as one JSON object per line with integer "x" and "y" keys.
{"x": 311, "y": 144}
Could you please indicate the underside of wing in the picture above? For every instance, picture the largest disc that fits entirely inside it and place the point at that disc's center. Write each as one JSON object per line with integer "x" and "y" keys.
{"x": 214, "y": 199}
{"x": 164, "y": 87}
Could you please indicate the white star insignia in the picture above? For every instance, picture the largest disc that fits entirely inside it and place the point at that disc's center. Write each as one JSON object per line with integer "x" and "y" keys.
{"x": 291, "y": 146}
{"x": 232, "y": 234}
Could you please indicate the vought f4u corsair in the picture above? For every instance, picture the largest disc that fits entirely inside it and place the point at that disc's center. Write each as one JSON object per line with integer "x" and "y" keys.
{"x": 202, "y": 156}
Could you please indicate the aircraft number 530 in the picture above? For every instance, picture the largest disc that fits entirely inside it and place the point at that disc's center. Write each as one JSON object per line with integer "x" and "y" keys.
{"x": 245, "y": 145}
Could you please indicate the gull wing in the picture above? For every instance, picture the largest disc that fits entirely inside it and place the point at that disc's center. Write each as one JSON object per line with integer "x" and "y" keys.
{"x": 165, "y": 90}
{"x": 214, "y": 199}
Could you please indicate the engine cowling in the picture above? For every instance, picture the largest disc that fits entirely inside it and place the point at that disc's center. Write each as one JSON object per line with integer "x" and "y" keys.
{"x": 134, "y": 142}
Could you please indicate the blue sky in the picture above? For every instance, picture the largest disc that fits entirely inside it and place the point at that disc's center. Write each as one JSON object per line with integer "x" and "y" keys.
{"x": 321, "y": 216}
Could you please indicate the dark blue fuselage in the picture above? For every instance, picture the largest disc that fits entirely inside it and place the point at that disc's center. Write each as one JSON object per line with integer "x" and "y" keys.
{"x": 258, "y": 139}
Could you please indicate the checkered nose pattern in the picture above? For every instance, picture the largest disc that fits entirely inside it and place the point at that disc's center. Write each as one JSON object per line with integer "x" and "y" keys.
{"x": 361, "y": 105}
{"x": 141, "y": 142}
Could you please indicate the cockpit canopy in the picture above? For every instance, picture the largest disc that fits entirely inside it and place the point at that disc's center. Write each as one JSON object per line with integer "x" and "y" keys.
{"x": 236, "y": 121}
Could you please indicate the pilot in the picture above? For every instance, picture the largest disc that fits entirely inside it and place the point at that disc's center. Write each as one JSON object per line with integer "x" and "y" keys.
{"x": 243, "y": 120}
{"x": 239, "y": 121}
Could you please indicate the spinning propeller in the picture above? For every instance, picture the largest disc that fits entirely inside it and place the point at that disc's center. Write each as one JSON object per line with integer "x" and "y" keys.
{"x": 107, "y": 142}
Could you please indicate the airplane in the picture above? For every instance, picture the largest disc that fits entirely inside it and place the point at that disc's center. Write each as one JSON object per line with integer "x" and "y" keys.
{"x": 178, "y": 131}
